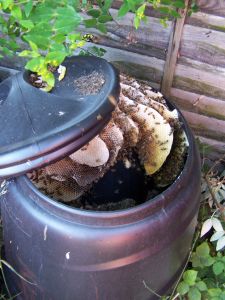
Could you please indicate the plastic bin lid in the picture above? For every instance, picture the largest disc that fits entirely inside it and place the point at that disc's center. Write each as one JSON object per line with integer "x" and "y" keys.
{"x": 38, "y": 128}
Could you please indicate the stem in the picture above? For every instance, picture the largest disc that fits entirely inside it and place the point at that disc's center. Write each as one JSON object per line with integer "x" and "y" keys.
{"x": 217, "y": 203}
{"x": 172, "y": 297}
{"x": 153, "y": 292}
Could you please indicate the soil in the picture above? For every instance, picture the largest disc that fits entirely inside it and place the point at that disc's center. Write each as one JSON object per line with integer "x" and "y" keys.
{"x": 90, "y": 84}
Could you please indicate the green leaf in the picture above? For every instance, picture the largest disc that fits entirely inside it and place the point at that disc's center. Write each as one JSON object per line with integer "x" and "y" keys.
{"x": 203, "y": 250}
{"x": 58, "y": 47}
{"x": 40, "y": 35}
{"x": 59, "y": 38}
{"x": 218, "y": 268}
{"x": 123, "y": 9}
{"x": 16, "y": 12}
{"x": 95, "y": 13}
{"x": 179, "y": 4}
{"x": 101, "y": 27}
{"x": 140, "y": 11}
{"x": 74, "y": 37}
{"x": 190, "y": 277}
{"x": 33, "y": 46}
{"x": 27, "y": 8}
{"x": 35, "y": 63}
{"x": 55, "y": 58}
{"x": 201, "y": 286}
{"x": 107, "y": 5}
{"x": 90, "y": 23}
{"x": 137, "y": 22}
{"x": 25, "y": 53}
{"x": 182, "y": 288}
{"x": 164, "y": 10}
{"x": 194, "y": 294}
{"x": 6, "y": 3}
{"x": 49, "y": 78}
{"x": 67, "y": 20}
{"x": 214, "y": 292}
{"x": 105, "y": 18}
{"x": 27, "y": 24}
{"x": 174, "y": 13}
{"x": 42, "y": 13}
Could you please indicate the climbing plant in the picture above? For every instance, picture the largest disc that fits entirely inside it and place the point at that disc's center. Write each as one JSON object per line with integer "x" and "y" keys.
{"x": 46, "y": 31}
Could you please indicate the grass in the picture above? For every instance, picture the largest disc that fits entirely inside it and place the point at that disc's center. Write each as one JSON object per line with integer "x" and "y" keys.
{"x": 211, "y": 208}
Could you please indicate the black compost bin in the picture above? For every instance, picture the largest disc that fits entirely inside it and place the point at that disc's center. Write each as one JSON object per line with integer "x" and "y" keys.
{"x": 68, "y": 253}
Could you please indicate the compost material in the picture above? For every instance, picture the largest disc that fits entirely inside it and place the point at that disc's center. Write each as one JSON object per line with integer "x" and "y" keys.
{"x": 144, "y": 137}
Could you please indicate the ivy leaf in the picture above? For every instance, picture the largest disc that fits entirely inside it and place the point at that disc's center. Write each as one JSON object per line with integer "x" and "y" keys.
{"x": 182, "y": 288}
{"x": 194, "y": 294}
{"x": 190, "y": 277}
{"x": 218, "y": 268}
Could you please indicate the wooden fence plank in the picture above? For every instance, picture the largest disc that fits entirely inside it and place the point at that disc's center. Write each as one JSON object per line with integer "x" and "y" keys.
{"x": 215, "y": 149}
{"x": 203, "y": 44}
{"x": 216, "y": 7}
{"x": 205, "y": 20}
{"x": 197, "y": 103}
{"x": 138, "y": 65}
{"x": 201, "y": 78}
{"x": 173, "y": 49}
{"x": 206, "y": 126}
{"x": 150, "y": 39}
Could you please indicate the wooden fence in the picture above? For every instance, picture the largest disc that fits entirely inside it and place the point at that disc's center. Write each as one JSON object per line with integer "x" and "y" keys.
{"x": 186, "y": 61}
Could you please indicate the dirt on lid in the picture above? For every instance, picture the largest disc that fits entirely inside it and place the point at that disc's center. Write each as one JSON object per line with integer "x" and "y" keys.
{"x": 90, "y": 84}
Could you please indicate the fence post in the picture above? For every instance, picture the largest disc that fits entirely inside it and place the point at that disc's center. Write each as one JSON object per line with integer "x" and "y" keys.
{"x": 173, "y": 48}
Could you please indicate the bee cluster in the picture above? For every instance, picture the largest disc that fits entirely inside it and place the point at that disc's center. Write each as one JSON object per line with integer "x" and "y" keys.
{"x": 141, "y": 123}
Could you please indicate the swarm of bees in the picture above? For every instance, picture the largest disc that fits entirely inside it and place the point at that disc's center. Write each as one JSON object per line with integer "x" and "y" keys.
{"x": 141, "y": 122}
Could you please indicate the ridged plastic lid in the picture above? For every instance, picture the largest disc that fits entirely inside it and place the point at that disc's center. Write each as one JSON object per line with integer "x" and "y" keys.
{"x": 38, "y": 128}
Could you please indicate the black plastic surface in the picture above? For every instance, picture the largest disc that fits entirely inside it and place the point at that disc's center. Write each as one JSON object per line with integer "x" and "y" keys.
{"x": 38, "y": 128}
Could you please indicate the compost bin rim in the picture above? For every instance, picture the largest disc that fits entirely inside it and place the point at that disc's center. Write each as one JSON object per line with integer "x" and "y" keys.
{"x": 42, "y": 149}
{"x": 122, "y": 217}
